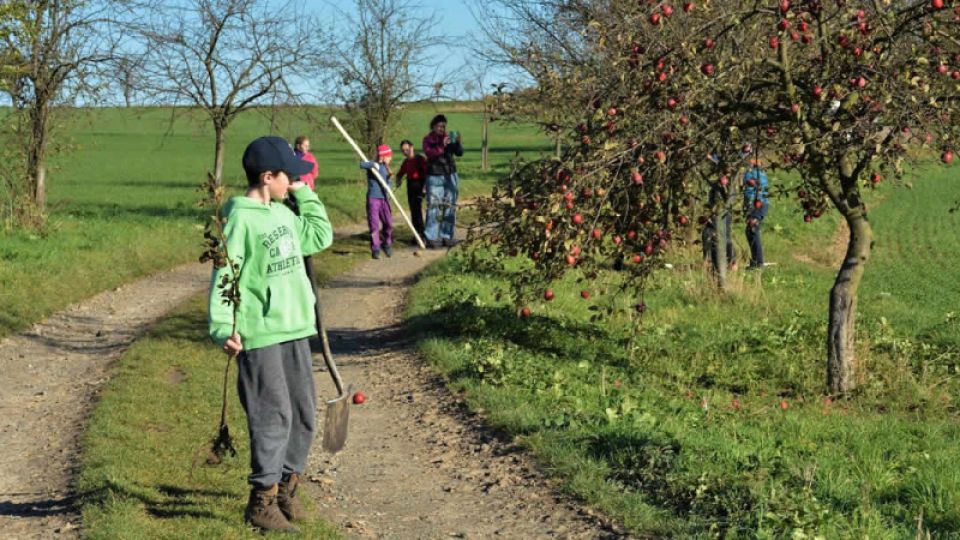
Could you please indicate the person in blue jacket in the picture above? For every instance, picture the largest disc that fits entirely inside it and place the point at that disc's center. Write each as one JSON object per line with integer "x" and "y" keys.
{"x": 755, "y": 206}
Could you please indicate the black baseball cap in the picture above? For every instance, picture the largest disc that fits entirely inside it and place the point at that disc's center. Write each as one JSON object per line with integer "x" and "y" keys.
{"x": 273, "y": 154}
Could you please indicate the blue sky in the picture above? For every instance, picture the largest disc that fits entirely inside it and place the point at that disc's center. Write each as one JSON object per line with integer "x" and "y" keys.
{"x": 463, "y": 36}
{"x": 452, "y": 54}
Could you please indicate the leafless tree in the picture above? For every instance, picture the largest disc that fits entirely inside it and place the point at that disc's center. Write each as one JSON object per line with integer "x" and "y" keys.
{"x": 381, "y": 58}
{"x": 128, "y": 71}
{"x": 226, "y": 56}
{"x": 527, "y": 42}
{"x": 57, "y": 51}
{"x": 490, "y": 97}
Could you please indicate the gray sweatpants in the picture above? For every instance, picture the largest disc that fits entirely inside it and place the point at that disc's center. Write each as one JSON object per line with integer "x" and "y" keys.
{"x": 277, "y": 392}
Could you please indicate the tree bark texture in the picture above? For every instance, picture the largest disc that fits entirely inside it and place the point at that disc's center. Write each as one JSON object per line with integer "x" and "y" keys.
{"x": 485, "y": 143}
{"x": 218, "y": 152}
{"x": 841, "y": 332}
{"x": 719, "y": 247}
{"x": 36, "y": 153}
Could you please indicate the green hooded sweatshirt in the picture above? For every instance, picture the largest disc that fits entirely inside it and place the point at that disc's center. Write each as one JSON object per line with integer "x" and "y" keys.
{"x": 268, "y": 242}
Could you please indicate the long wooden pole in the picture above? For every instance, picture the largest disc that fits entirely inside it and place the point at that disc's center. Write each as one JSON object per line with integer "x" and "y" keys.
{"x": 383, "y": 182}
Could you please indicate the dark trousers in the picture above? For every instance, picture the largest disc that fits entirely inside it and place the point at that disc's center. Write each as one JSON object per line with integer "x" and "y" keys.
{"x": 754, "y": 222}
{"x": 276, "y": 389}
{"x": 415, "y": 203}
{"x": 756, "y": 247}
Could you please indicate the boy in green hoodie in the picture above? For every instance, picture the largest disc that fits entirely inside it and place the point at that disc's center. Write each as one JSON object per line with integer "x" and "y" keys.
{"x": 275, "y": 318}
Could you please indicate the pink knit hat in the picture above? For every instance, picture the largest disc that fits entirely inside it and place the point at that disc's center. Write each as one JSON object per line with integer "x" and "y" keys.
{"x": 384, "y": 151}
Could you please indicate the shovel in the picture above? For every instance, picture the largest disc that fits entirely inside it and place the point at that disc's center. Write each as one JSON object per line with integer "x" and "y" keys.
{"x": 338, "y": 409}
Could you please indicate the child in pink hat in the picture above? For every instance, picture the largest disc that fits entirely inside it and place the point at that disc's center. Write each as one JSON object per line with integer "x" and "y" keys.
{"x": 379, "y": 215}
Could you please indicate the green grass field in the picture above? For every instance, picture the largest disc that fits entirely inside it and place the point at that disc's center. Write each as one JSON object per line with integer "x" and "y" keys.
{"x": 717, "y": 424}
{"x": 123, "y": 191}
{"x": 123, "y": 206}
{"x": 686, "y": 436}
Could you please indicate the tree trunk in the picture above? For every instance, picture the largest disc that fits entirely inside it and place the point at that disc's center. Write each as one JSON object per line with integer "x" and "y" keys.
{"x": 220, "y": 131}
{"x": 719, "y": 255}
{"x": 371, "y": 136}
{"x": 841, "y": 352}
{"x": 40, "y": 194}
{"x": 36, "y": 154}
{"x": 485, "y": 143}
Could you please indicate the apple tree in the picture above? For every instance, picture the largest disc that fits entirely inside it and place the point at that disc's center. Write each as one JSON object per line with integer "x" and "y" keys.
{"x": 843, "y": 93}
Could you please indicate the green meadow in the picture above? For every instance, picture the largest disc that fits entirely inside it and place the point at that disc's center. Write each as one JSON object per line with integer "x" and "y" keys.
{"x": 123, "y": 205}
{"x": 122, "y": 192}
{"x": 712, "y": 421}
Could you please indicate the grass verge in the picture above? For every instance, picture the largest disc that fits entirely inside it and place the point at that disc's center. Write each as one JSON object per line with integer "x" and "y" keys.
{"x": 712, "y": 421}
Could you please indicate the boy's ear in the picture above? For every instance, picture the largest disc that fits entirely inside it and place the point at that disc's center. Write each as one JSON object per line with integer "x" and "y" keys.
{"x": 267, "y": 175}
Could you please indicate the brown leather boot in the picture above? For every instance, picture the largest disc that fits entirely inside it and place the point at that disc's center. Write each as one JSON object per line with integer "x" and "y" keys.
{"x": 287, "y": 498}
{"x": 264, "y": 513}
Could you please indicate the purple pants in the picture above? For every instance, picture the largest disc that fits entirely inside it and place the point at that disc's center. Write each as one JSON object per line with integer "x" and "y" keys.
{"x": 380, "y": 221}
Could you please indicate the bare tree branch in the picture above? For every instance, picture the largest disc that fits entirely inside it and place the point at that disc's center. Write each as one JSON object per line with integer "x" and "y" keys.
{"x": 226, "y": 56}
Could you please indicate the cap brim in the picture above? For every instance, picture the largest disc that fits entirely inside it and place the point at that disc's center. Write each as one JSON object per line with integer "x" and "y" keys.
{"x": 298, "y": 167}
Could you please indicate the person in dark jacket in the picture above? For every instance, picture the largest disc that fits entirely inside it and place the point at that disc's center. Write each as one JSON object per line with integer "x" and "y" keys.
{"x": 442, "y": 183}
{"x": 414, "y": 169}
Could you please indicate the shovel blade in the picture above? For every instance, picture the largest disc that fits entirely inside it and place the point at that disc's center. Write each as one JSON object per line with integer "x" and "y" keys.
{"x": 336, "y": 421}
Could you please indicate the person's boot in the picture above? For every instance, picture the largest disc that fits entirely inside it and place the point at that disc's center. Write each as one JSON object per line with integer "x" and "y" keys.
{"x": 375, "y": 254}
{"x": 388, "y": 251}
{"x": 264, "y": 513}
{"x": 287, "y": 498}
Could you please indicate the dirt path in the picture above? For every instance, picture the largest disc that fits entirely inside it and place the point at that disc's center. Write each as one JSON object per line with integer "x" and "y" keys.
{"x": 417, "y": 465}
{"x": 50, "y": 375}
